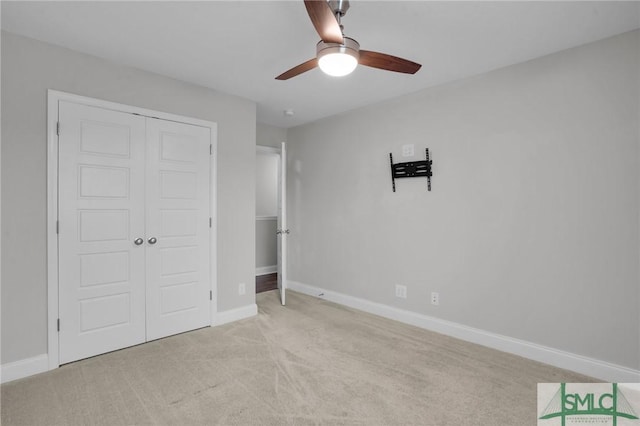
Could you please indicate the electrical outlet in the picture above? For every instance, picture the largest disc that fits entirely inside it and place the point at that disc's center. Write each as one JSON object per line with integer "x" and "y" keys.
{"x": 435, "y": 298}
{"x": 407, "y": 150}
{"x": 242, "y": 289}
{"x": 401, "y": 291}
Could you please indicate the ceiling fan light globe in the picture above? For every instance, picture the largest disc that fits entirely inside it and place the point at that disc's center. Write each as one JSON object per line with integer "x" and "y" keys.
{"x": 338, "y": 60}
{"x": 337, "y": 64}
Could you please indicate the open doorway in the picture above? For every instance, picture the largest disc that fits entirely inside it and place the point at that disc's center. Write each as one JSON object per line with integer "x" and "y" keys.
{"x": 267, "y": 170}
{"x": 266, "y": 282}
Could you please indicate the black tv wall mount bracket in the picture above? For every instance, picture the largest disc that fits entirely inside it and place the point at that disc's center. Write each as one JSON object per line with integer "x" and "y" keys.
{"x": 411, "y": 169}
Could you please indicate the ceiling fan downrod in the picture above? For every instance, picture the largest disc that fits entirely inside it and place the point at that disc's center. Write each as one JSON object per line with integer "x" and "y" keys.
{"x": 339, "y": 8}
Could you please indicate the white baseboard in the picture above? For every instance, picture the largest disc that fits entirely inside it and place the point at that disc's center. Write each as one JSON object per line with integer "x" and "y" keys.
{"x": 580, "y": 364}
{"x": 236, "y": 314}
{"x": 24, "y": 368}
{"x": 264, "y": 270}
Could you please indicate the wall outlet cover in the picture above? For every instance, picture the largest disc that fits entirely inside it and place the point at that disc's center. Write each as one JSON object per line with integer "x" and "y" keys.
{"x": 242, "y": 289}
{"x": 401, "y": 291}
{"x": 435, "y": 298}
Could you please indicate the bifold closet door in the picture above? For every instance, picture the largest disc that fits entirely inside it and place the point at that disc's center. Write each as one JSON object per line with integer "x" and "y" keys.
{"x": 101, "y": 212}
{"x": 177, "y": 222}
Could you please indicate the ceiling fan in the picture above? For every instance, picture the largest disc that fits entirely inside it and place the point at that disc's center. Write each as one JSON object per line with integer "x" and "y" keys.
{"x": 336, "y": 54}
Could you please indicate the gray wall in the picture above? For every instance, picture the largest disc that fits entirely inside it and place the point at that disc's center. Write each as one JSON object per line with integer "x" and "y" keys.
{"x": 29, "y": 68}
{"x": 272, "y": 136}
{"x": 531, "y": 230}
{"x": 267, "y": 184}
{"x": 266, "y": 243}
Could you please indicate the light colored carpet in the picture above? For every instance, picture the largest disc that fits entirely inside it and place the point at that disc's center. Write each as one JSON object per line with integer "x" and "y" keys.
{"x": 311, "y": 362}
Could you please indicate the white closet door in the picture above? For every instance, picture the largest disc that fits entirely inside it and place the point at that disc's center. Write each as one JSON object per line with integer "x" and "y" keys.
{"x": 101, "y": 213}
{"x": 177, "y": 192}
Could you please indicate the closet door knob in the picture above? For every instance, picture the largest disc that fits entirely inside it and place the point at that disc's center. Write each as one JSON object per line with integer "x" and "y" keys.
{"x": 152, "y": 240}
{"x": 138, "y": 241}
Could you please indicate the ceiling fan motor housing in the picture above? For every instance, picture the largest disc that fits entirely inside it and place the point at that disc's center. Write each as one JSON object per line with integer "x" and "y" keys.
{"x": 349, "y": 47}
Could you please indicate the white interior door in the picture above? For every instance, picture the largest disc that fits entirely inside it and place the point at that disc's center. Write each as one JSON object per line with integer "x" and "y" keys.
{"x": 101, "y": 214}
{"x": 283, "y": 231}
{"x": 177, "y": 237}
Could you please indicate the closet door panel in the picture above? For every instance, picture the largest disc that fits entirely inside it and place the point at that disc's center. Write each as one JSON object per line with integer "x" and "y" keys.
{"x": 101, "y": 213}
{"x": 177, "y": 194}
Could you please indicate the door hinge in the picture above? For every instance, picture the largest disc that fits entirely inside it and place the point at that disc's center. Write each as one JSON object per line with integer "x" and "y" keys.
{"x": 210, "y": 149}
{"x": 210, "y": 221}
{"x": 210, "y": 294}
{"x": 58, "y": 324}
{"x": 57, "y": 227}
{"x": 58, "y": 128}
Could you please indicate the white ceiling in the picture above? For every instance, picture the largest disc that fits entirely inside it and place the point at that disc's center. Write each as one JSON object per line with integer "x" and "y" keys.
{"x": 238, "y": 47}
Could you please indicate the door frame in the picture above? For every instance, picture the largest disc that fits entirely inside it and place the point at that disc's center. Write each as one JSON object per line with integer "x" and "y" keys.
{"x": 276, "y": 152}
{"x": 53, "y": 99}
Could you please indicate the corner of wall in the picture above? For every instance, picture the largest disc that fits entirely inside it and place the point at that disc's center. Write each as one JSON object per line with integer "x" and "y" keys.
{"x": 236, "y": 314}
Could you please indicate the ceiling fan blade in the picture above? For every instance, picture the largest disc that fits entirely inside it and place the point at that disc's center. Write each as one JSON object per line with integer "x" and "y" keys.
{"x": 299, "y": 69}
{"x": 387, "y": 62}
{"x": 324, "y": 21}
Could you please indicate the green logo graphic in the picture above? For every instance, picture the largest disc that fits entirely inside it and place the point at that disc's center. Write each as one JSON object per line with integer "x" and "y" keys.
{"x": 612, "y": 404}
